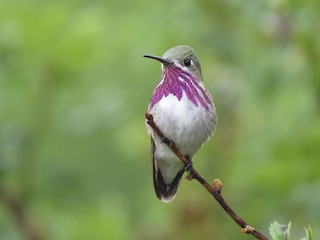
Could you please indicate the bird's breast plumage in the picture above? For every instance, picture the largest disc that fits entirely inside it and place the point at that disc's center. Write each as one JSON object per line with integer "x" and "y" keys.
{"x": 188, "y": 125}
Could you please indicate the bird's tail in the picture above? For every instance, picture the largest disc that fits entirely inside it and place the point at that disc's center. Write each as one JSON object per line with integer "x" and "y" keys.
{"x": 165, "y": 192}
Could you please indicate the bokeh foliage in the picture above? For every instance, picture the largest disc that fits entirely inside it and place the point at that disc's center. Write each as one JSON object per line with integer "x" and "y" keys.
{"x": 73, "y": 92}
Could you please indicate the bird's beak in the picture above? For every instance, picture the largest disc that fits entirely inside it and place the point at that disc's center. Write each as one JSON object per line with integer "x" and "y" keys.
{"x": 162, "y": 60}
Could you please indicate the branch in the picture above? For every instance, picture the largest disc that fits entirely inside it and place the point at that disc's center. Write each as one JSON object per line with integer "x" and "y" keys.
{"x": 29, "y": 230}
{"x": 214, "y": 190}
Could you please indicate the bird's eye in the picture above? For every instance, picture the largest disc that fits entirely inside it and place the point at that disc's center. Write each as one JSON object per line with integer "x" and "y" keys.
{"x": 187, "y": 62}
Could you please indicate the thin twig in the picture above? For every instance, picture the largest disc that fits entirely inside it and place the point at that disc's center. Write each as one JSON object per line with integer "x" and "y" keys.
{"x": 17, "y": 210}
{"x": 214, "y": 190}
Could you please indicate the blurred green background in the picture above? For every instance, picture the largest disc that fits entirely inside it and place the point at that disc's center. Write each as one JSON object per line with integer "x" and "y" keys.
{"x": 74, "y": 150}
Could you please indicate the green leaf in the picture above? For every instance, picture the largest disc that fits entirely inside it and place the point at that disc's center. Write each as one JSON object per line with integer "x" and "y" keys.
{"x": 308, "y": 233}
{"x": 279, "y": 231}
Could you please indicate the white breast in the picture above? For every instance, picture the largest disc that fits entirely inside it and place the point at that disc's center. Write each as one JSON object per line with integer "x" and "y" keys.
{"x": 188, "y": 125}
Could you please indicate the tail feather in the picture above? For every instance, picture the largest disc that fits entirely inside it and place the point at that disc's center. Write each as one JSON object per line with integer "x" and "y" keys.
{"x": 165, "y": 192}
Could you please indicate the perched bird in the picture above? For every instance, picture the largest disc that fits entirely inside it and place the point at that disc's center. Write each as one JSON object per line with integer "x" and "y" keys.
{"x": 184, "y": 112}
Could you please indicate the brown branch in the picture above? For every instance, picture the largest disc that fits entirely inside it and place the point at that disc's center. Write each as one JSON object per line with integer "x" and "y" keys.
{"x": 214, "y": 190}
{"x": 17, "y": 210}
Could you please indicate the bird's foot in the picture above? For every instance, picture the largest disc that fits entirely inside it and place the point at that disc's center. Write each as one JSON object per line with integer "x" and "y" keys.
{"x": 165, "y": 140}
{"x": 188, "y": 167}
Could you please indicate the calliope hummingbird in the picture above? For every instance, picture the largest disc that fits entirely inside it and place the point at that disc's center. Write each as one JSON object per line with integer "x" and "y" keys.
{"x": 184, "y": 112}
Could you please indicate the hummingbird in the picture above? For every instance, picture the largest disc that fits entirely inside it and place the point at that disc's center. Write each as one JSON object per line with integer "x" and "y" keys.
{"x": 185, "y": 113}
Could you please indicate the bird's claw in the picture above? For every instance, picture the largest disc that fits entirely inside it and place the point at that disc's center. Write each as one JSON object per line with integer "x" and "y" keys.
{"x": 165, "y": 140}
{"x": 188, "y": 167}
